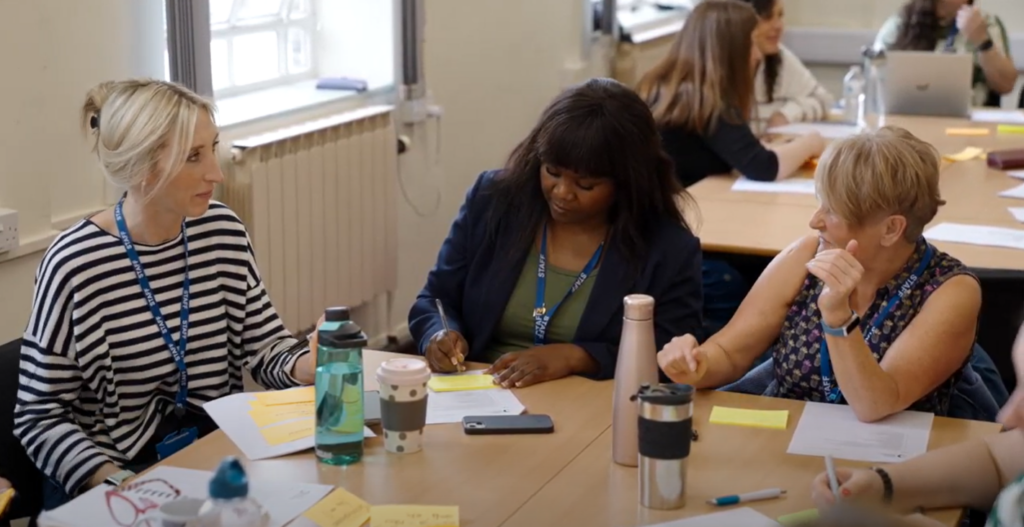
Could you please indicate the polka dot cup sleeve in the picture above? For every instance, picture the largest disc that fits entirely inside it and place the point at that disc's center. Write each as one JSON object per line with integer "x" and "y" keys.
{"x": 403, "y": 404}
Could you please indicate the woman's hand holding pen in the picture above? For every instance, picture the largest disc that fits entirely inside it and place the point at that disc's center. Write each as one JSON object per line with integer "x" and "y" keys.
{"x": 446, "y": 352}
{"x": 862, "y": 485}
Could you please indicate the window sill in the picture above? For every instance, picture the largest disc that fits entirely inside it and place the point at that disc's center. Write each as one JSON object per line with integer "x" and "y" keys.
{"x": 244, "y": 109}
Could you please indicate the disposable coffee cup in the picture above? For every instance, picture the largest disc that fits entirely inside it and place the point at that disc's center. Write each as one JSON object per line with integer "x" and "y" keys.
{"x": 403, "y": 403}
{"x": 183, "y": 512}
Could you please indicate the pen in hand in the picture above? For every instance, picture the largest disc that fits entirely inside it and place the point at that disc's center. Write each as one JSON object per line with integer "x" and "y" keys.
{"x": 833, "y": 482}
{"x": 447, "y": 331}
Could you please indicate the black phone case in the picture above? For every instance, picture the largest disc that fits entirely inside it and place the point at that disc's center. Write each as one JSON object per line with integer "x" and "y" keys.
{"x": 507, "y": 424}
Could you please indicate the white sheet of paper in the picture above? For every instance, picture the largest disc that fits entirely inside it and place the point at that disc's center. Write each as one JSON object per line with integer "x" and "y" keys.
{"x": 1018, "y": 213}
{"x": 1015, "y": 192}
{"x": 231, "y": 414}
{"x": 282, "y": 500}
{"x": 977, "y": 235}
{"x": 744, "y": 517}
{"x": 827, "y": 130}
{"x": 1019, "y": 174}
{"x": 786, "y": 186}
{"x": 451, "y": 407}
{"x": 998, "y": 116}
{"x": 834, "y": 429}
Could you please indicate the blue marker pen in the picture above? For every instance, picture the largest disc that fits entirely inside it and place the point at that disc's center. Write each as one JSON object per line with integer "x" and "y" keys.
{"x": 766, "y": 494}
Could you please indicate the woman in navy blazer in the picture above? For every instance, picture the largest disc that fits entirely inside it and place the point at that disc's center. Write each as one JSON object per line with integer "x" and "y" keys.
{"x": 590, "y": 190}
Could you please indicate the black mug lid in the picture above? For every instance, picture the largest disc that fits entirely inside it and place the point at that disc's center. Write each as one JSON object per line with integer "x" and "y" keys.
{"x": 665, "y": 394}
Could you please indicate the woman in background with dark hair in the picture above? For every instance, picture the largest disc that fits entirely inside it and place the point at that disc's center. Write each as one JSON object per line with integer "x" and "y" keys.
{"x": 928, "y": 25}
{"x": 785, "y": 90}
{"x": 534, "y": 270}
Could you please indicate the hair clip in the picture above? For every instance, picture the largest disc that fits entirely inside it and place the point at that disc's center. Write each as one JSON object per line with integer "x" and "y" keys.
{"x": 94, "y": 121}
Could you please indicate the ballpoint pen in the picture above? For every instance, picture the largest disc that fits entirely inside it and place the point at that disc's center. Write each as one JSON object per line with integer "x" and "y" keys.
{"x": 765, "y": 494}
{"x": 447, "y": 330}
{"x": 833, "y": 482}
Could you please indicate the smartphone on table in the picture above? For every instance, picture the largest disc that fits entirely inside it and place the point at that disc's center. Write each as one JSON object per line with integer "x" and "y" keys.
{"x": 507, "y": 424}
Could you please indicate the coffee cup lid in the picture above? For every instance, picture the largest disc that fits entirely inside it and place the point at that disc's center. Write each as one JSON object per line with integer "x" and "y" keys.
{"x": 404, "y": 371}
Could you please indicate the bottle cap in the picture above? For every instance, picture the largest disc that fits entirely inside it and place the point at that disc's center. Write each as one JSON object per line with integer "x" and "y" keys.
{"x": 638, "y": 307}
{"x": 230, "y": 481}
{"x": 336, "y": 314}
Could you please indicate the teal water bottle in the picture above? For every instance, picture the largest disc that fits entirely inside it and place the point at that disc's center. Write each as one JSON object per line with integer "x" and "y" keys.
{"x": 339, "y": 389}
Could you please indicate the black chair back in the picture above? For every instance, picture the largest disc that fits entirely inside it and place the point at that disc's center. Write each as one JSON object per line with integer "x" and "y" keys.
{"x": 1002, "y": 312}
{"x": 15, "y": 464}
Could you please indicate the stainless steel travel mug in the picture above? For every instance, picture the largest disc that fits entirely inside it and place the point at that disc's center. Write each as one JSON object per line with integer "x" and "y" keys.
{"x": 665, "y": 428}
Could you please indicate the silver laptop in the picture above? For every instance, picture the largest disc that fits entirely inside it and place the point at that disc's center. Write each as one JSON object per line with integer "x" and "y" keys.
{"x": 928, "y": 83}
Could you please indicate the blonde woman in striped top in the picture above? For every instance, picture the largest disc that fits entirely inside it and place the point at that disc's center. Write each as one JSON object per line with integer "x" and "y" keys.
{"x": 785, "y": 90}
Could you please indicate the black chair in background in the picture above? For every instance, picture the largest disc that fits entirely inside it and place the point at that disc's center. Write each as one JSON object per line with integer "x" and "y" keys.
{"x": 1002, "y": 311}
{"x": 15, "y": 464}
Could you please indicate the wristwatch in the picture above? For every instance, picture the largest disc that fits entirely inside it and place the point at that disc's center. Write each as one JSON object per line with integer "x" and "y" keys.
{"x": 987, "y": 45}
{"x": 117, "y": 478}
{"x": 845, "y": 329}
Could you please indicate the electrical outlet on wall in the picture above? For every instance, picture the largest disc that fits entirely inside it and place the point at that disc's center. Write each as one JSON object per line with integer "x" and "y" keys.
{"x": 8, "y": 230}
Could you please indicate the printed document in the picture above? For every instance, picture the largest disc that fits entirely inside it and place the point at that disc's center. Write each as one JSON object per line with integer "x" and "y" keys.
{"x": 976, "y": 235}
{"x": 826, "y": 429}
{"x": 744, "y": 517}
{"x": 786, "y": 186}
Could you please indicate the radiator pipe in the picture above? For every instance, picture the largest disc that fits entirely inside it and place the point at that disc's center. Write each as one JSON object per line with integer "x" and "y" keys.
{"x": 413, "y": 85}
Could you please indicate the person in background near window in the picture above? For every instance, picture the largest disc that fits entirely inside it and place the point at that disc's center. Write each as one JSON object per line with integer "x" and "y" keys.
{"x": 534, "y": 270}
{"x": 146, "y": 310}
{"x": 982, "y": 474}
{"x": 927, "y": 25}
{"x": 785, "y": 90}
{"x": 702, "y": 96}
{"x": 864, "y": 312}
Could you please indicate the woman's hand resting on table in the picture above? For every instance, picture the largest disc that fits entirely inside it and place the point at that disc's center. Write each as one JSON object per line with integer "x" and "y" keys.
{"x": 447, "y": 352}
{"x": 519, "y": 369}
{"x": 683, "y": 360}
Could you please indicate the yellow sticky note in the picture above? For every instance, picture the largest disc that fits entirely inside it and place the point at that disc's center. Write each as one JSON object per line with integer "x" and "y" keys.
{"x": 340, "y": 508}
{"x": 288, "y": 432}
{"x": 966, "y": 154}
{"x": 799, "y": 518}
{"x": 1010, "y": 129}
{"x": 774, "y": 419}
{"x": 413, "y": 516}
{"x": 968, "y": 131}
{"x": 5, "y": 500}
{"x": 459, "y": 383}
{"x": 294, "y": 396}
{"x": 268, "y": 415}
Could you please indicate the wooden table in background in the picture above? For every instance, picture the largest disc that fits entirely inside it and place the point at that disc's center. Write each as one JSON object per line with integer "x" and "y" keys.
{"x": 726, "y": 460}
{"x": 765, "y": 223}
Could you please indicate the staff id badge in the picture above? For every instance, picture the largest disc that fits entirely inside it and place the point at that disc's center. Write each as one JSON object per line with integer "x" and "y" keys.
{"x": 175, "y": 442}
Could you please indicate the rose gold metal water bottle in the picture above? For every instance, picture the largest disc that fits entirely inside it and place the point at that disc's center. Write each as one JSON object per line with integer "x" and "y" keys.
{"x": 637, "y": 365}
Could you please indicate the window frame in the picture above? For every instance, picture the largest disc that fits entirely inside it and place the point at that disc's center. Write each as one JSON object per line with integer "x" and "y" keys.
{"x": 280, "y": 24}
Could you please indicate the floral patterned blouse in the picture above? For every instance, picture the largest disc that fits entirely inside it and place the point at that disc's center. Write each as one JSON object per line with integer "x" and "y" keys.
{"x": 796, "y": 352}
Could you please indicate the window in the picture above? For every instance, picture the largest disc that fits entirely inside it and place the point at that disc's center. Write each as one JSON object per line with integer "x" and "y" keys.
{"x": 258, "y": 44}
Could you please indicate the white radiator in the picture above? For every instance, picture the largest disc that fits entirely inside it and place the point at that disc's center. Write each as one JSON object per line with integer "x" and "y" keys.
{"x": 320, "y": 203}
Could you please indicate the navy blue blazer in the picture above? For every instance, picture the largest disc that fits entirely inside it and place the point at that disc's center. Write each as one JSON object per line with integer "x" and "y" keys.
{"x": 474, "y": 282}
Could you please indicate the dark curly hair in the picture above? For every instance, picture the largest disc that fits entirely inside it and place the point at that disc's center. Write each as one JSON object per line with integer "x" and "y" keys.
{"x": 602, "y": 129}
{"x": 919, "y": 28}
{"x": 772, "y": 63}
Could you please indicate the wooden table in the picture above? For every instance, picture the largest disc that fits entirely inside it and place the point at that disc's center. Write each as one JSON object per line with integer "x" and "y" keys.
{"x": 764, "y": 223}
{"x": 488, "y": 477}
{"x": 565, "y": 477}
{"x": 726, "y": 460}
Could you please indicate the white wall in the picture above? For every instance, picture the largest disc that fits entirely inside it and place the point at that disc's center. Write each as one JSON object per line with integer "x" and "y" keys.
{"x": 491, "y": 65}
{"x": 55, "y": 51}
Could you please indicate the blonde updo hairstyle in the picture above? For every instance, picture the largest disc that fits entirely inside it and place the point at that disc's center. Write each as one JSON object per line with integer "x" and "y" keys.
{"x": 142, "y": 130}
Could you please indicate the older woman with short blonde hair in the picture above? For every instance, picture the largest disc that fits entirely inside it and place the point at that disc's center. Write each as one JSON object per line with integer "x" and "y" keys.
{"x": 865, "y": 312}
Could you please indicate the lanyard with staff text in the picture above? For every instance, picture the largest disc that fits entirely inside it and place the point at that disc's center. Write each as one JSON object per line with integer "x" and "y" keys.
{"x": 541, "y": 313}
{"x": 832, "y": 391}
{"x": 177, "y": 349}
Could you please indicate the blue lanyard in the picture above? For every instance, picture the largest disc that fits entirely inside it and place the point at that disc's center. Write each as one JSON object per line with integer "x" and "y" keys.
{"x": 832, "y": 391}
{"x": 177, "y": 350}
{"x": 541, "y": 314}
